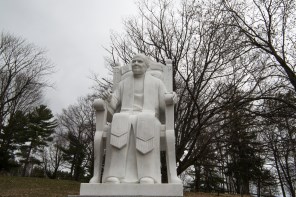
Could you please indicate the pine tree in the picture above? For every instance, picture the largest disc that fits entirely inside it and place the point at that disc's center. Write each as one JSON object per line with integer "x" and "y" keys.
{"x": 10, "y": 138}
{"x": 75, "y": 155}
{"x": 242, "y": 146}
{"x": 37, "y": 134}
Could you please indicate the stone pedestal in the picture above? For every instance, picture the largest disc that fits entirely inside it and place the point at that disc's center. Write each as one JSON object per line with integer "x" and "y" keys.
{"x": 131, "y": 190}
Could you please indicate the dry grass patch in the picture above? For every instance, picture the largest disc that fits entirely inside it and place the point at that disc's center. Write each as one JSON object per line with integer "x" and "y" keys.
{"x": 36, "y": 187}
{"x": 200, "y": 194}
{"x": 39, "y": 187}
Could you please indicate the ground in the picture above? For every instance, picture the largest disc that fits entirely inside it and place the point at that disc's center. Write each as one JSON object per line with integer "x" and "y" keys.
{"x": 36, "y": 187}
{"x": 11, "y": 186}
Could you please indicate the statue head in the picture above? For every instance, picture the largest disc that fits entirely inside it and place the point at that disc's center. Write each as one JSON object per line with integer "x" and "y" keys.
{"x": 139, "y": 64}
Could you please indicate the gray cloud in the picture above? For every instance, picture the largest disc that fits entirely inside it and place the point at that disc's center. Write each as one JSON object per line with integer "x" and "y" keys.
{"x": 72, "y": 32}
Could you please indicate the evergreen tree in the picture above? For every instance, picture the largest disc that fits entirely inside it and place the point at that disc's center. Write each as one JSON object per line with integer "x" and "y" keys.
{"x": 279, "y": 134}
{"x": 23, "y": 71}
{"x": 10, "y": 138}
{"x": 242, "y": 145}
{"x": 75, "y": 155}
{"x": 36, "y": 135}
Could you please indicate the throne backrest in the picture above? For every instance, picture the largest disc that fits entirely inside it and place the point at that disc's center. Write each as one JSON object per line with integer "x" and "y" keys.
{"x": 156, "y": 69}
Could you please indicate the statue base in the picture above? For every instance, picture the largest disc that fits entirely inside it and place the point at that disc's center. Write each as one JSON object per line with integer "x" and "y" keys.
{"x": 123, "y": 190}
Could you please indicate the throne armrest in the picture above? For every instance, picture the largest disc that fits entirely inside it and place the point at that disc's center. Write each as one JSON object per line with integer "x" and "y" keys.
{"x": 99, "y": 105}
{"x": 101, "y": 114}
{"x": 99, "y": 138}
{"x": 168, "y": 99}
{"x": 169, "y": 111}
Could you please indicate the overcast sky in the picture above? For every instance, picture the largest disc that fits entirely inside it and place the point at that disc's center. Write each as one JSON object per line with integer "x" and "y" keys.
{"x": 73, "y": 33}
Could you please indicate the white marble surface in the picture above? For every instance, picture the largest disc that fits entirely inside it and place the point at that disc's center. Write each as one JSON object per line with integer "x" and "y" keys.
{"x": 98, "y": 189}
{"x": 142, "y": 101}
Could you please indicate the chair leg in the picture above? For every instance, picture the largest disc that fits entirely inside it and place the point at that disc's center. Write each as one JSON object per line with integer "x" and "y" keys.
{"x": 171, "y": 157}
{"x": 98, "y": 157}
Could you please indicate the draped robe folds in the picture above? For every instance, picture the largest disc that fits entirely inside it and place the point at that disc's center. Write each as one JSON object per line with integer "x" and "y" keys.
{"x": 143, "y": 133}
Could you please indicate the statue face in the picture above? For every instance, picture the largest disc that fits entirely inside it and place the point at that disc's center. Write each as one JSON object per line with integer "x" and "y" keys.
{"x": 139, "y": 66}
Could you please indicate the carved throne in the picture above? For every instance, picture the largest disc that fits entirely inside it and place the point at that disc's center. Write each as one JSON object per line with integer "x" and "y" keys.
{"x": 104, "y": 115}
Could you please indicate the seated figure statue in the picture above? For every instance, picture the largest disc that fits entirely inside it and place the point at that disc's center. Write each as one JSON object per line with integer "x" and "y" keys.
{"x": 134, "y": 152}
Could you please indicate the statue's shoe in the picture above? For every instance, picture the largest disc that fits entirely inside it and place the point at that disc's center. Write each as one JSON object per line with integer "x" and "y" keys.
{"x": 94, "y": 179}
{"x": 146, "y": 180}
{"x": 113, "y": 180}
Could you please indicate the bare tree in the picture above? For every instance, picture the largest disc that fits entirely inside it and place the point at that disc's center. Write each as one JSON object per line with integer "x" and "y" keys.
{"x": 77, "y": 126}
{"x": 203, "y": 51}
{"x": 23, "y": 68}
{"x": 279, "y": 134}
{"x": 213, "y": 60}
{"x": 52, "y": 158}
{"x": 268, "y": 26}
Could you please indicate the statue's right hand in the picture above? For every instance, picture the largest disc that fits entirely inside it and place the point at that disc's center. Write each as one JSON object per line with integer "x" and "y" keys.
{"x": 107, "y": 95}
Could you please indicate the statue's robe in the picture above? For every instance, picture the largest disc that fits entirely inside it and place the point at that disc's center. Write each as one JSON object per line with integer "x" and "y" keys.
{"x": 135, "y": 130}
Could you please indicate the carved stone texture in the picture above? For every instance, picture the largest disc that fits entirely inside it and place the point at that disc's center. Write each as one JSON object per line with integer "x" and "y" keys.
{"x": 143, "y": 116}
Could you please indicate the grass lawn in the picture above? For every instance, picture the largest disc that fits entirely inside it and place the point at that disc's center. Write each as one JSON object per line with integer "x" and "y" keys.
{"x": 11, "y": 186}
{"x": 36, "y": 187}
{"x": 200, "y": 194}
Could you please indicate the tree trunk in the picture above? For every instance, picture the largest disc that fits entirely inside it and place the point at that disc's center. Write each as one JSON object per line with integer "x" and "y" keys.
{"x": 278, "y": 171}
{"x": 291, "y": 141}
{"x": 197, "y": 177}
{"x": 27, "y": 161}
{"x": 72, "y": 166}
{"x": 259, "y": 188}
{"x": 245, "y": 187}
{"x": 286, "y": 169}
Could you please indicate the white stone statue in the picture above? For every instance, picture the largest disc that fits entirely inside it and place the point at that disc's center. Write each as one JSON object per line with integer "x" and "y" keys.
{"x": 142, "y": 125}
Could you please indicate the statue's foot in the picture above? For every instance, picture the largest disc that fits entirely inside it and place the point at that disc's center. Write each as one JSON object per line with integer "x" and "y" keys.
{"x": 112, "y": 180}
{"x": 176, "y": 180}
{"x": 146, "y": 180}
{"x": 94, "y": 179}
